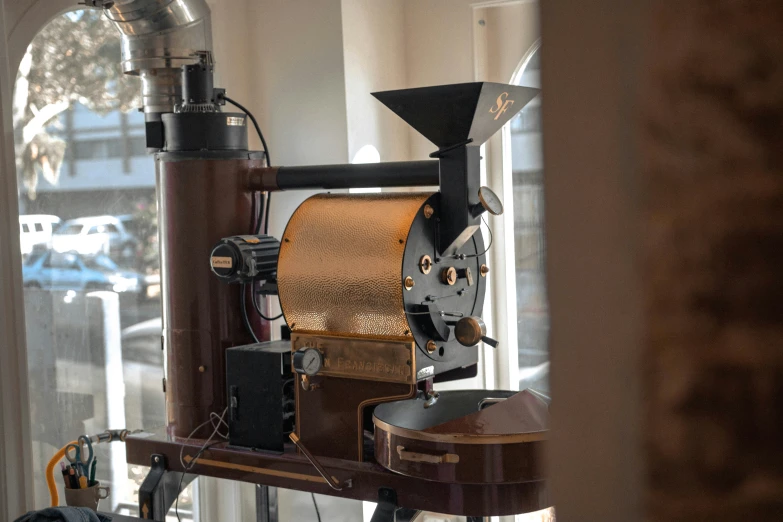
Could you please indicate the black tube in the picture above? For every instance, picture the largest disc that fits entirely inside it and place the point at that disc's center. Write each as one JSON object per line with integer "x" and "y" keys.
{"x": 366, "y": 175}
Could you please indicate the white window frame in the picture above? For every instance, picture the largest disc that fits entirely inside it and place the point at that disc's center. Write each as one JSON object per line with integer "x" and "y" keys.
{"x": 501, "y": 312}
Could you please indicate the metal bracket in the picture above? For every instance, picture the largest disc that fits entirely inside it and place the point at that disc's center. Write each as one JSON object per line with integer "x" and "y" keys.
{"x": 149, "y": 492}
{"x": 160, "y": 489}
{"x": 388, "y": 511}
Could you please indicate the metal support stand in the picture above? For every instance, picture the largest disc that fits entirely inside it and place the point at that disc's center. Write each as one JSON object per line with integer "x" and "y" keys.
{"x": 160, "y": 489}
{"x": 266, "y": 504}
{"x": 388, "y": 511}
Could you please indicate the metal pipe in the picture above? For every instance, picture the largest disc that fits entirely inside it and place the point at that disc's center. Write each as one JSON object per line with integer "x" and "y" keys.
{"x": 159, "y": 37}
{"x": 391, "y": 174}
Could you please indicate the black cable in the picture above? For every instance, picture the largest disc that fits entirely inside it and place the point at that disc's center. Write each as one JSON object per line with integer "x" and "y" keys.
{"x": 188, "y": 468}
{"x": 266, "y": 153}
{"x": 465, "y": 256}
{"x": 255, "y": 123}
{"x": 257, "y": 202}
{"x": 267, "y": 205}
{"x": 243, "y": 304}
{"x": 258, "y": 311}
{"x": 264, "y": 221}
{"x": 315, "y": 505}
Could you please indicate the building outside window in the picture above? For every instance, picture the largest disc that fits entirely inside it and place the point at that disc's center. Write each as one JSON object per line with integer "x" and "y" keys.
{"x": 88, "y": 226}
{"x": 529, "y": 239}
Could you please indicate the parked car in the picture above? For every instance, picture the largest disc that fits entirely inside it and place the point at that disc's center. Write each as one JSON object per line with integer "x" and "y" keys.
{"x": 70, "y": 271}
{"x": 35, "y": 230}
{"x": 96, "y": 235}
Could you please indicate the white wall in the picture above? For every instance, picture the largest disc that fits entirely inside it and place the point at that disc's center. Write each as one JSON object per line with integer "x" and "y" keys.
{"x": 439, "y": 50}
{"x": 295, "y": 54}
{"x": 374, "y": 51}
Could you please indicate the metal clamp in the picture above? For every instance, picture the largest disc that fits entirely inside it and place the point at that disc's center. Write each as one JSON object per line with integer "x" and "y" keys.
{"x": 333, "y": 482}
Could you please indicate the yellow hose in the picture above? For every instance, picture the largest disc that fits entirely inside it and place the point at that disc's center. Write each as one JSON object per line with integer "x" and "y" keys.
{"x": 53, "y": 495}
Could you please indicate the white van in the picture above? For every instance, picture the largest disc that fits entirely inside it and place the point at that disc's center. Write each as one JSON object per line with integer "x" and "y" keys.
{"x": 36, "y": 229}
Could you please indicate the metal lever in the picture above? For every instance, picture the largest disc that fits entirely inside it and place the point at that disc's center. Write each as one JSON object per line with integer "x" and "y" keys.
{"x": 470, "y": 330}
{"x": 333, "y": 482}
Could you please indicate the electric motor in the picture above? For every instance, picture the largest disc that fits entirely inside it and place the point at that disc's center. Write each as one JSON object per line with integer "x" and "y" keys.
{"x": 244, "y": 259}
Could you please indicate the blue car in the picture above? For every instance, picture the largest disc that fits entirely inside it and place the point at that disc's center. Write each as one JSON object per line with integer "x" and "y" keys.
{"x": 52, "y": 270}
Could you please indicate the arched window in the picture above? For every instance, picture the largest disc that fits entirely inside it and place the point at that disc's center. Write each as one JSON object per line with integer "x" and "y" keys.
{"x": 88, "y": 230}
{"x": 529, "y": 239}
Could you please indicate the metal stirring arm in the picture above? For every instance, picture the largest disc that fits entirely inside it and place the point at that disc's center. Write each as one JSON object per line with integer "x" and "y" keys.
{"x": 333, "y": 482}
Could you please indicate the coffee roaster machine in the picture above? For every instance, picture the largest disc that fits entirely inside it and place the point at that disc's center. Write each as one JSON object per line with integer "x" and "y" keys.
{"x": 381, "y": 296}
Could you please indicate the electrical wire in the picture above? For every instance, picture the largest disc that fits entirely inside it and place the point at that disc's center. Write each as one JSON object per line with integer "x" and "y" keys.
{"x": 267, "y": 205}
{"x": 258, "y": 311}
{"x": 255, "y": 123}
{"x": 203, "y": 448}
{"x": 245, "y": 319}
{"x": 263, "y": 216}
{"x": 465, "y": 256}
{"x": 315, "y": 505}
{"x": 266, "y": 153}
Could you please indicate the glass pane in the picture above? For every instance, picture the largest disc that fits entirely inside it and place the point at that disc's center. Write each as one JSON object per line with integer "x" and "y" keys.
{"x": 88, "y": 230}
{"x": 529, "y": 240}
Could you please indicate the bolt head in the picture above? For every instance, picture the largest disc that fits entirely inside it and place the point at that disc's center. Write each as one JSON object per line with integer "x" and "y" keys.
{"x": 428, "y": 211}
{"x": 484, "y": 270}
{"x": 449, "y": 276}
{"x": 431, "y": 346}
{"x": 409, "y": 283}
{"x": 425, "y": 264}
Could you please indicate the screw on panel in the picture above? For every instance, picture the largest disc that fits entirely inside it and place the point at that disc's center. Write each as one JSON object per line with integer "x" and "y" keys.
{"x": 425, "y": 264}
{"x": 449, "y": 276}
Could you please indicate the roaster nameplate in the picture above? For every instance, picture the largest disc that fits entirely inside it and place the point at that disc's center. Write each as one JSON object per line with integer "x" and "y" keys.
{"x": 355, "y": 358}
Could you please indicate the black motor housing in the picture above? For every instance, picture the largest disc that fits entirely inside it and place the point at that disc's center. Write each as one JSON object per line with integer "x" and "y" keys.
{"x": 244, "y": 259}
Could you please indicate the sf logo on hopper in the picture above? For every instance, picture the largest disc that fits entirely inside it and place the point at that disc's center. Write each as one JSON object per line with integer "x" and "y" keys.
{"x": 501, "y": 105}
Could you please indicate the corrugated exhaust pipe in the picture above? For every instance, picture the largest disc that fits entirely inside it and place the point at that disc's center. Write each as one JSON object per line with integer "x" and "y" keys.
{"x": 158, "y": 38}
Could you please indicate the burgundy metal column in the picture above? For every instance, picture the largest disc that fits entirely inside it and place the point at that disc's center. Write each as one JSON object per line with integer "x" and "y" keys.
{"x": 202, "y": 197}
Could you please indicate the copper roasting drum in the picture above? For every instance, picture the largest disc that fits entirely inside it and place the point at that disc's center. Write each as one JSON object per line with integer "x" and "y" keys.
{"x": 454, "y": 440}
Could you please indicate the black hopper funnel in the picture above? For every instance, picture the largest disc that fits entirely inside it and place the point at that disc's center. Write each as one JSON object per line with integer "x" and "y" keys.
{"x": 450, "y": 115}
{"x": 458, "y": 119}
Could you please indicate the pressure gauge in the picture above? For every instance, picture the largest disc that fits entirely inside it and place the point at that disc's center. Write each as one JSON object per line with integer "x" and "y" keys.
{"x": 490, "y": 201}
{"x": 308, "y": 361}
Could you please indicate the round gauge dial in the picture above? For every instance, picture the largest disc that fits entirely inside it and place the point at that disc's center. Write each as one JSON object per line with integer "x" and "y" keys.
{"x": 308, "y": 361}
{"x": 490, "y": 201}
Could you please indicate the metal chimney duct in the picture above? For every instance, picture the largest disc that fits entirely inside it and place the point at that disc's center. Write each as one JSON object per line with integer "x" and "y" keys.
{"x": 158, "y": 38}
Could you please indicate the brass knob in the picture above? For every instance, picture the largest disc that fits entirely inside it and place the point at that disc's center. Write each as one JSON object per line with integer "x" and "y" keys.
{"x": 484, "y": 270}
{"x": 431, "y": 346}
{"x": 428, "y": 211}
{"x": 409, "y": 283}
{"x": 470, "y": 330}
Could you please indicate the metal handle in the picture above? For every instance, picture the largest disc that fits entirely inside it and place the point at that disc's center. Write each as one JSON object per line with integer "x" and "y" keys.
{"x": 489, "y": 401}
{"x": 333, "y": 482}
{"x": 414, "y": 456}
